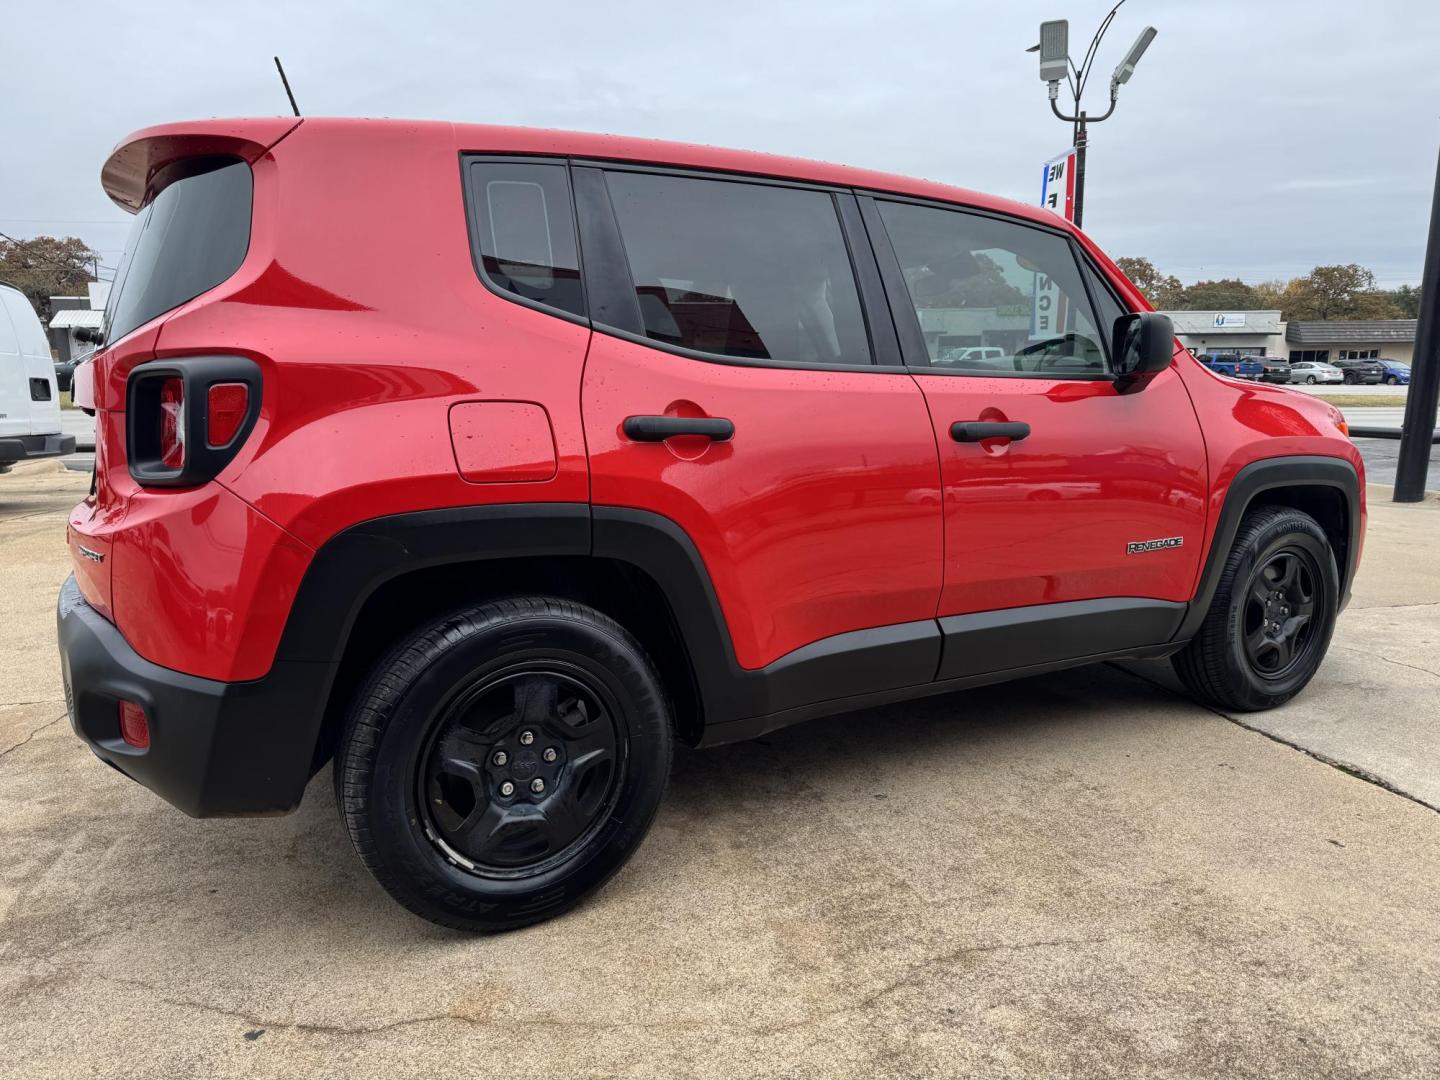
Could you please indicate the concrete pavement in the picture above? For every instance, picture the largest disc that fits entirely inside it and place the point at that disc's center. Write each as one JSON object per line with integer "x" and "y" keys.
{"x": 1079, "y": 875}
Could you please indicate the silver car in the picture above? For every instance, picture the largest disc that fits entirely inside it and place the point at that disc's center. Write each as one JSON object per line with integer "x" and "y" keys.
{"x": 1315, "y": 371}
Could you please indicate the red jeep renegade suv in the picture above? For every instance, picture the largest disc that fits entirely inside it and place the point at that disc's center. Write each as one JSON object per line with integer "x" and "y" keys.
{"x": 489, "y": 462}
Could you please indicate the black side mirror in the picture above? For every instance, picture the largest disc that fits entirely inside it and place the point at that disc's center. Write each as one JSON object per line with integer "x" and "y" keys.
{"x": 1143, "y": 346}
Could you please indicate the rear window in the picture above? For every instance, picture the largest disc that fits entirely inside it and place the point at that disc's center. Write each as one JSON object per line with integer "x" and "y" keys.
{"x": 189, "y": 238}
{"x": 523, "y": 224}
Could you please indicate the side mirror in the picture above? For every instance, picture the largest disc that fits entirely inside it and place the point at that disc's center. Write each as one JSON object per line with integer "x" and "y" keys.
{"x": 1143, "y": 346}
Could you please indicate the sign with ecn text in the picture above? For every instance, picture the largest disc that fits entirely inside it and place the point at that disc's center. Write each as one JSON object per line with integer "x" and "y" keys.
{"x": 1048, "y": 316}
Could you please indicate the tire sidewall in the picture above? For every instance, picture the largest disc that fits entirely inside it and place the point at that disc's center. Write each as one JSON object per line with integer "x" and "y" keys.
{"x": 392, "y": 813}
{"x": 1288, "y": 531}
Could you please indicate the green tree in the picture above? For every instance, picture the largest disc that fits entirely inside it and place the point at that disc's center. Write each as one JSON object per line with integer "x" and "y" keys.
{"x": 1268, "y": 293}
{"x": 1162, "y": 290}
{"x": 46, "y": 266}
{"x": 1337, "y": 292}
{"x": 1406, "y": 300}
{"x": 1227, "y": 294}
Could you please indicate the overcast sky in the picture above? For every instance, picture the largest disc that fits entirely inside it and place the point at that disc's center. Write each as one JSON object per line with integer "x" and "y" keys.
{"x": 1257, "y": 138}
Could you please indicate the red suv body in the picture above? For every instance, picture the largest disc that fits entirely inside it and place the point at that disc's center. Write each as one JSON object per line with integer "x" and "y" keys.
{"x": 360, "y": 374}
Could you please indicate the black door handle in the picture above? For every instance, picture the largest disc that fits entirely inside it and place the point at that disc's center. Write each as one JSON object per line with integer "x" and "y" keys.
{"x": 975, "y": 430}
{"x": 660, "y": 428}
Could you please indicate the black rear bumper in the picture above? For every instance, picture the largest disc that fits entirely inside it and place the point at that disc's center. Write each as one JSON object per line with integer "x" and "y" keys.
{"x": 216, "y": 748}
{"x": 15, "y": 448}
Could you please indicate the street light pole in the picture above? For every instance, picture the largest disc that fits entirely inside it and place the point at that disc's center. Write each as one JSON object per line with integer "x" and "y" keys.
{"x": 1055, "y": 65}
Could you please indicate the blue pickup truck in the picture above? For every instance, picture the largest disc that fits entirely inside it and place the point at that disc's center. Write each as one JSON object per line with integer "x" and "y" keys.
{"x": 1234, "y": 365}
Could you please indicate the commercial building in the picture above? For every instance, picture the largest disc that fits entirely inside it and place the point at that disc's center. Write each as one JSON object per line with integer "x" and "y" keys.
{"x": 1393, "y": 339}
{"x": 1266, "y": 333}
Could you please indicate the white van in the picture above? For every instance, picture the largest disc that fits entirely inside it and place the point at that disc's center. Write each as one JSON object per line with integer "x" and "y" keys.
{"x": 29, "y": 399}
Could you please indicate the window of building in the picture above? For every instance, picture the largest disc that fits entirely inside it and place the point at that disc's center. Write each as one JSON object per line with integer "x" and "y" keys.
{"x": 738, "y": 269}
{"x": 1310, "y": 356}
{"x": 995, "y": 296}
{"x": 1359, "y": 354}
{"x": 522, "y": 222}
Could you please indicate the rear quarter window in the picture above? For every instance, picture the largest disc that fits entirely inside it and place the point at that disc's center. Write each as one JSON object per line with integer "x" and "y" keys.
{"x": 189, "y": 238}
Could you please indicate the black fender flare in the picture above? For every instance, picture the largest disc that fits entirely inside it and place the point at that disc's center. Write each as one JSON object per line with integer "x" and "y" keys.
{"x": 1270, "y": 474}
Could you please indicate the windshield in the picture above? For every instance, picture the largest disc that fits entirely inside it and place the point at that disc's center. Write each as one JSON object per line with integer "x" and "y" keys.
{"x": 188, "y": 239}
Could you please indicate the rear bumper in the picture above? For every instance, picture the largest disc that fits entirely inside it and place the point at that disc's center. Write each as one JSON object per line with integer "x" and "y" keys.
{"x": 216, "y": 748}
{"x": 15, "y": 448}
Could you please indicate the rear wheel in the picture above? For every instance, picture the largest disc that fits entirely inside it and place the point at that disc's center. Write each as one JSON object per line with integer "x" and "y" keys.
{"x": 1270, "y": 621}
{"x": 1310, "y": 379}
{"x": 504, "y": 762}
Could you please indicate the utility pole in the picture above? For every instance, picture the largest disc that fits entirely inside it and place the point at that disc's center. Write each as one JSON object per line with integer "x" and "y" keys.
{"x": 1417, "y": 433}
{"x": 1056, "y": 66}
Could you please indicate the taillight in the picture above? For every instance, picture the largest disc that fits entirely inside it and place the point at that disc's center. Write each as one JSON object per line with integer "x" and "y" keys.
{"x": 171, "y": 419}
{"x": 186, "y": 418}
{"x": 134, "y": 725}
{"x": 226, "y": 406}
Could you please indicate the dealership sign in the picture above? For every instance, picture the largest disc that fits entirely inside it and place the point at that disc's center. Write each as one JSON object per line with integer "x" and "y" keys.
{"x": 1057, "y": 185}
{"x": 1227, "y": 319}
{"x": 1057, "y": 193}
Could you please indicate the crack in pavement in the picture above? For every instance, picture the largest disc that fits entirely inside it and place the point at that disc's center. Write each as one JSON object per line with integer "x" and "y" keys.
{"x": 914, "y": 975}
{"x": 1378, "y": 656}
{"x": 1349, "y": 768}
{"x": 48, "y": 724}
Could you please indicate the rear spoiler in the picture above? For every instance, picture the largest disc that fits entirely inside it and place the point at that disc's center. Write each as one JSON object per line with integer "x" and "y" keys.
{"x": 133, "y": 164}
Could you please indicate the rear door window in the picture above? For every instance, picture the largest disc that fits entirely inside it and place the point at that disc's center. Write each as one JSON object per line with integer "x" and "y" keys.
{"x": 743, "y": 270}
{"x": 188, "y": 239}
{"x": 523, "y": 228}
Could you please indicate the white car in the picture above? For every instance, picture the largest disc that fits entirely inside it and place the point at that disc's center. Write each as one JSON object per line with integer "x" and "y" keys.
{"x": 29, "y": 398}
{"x": 973, "y": 356}
{"x": 1315, "y": 371}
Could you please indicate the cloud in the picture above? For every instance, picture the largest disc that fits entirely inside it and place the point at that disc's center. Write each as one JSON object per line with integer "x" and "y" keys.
{"x": 1253, "y": 137}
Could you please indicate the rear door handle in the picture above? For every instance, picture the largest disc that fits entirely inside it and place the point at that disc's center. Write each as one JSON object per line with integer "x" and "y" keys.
{"x": 975, "y": 430}
{"x": 660, "y": 428}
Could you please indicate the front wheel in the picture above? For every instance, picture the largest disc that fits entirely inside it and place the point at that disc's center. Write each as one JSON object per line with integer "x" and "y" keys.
{"x": 1271, "y": 618}
{"x": 504, "y": 762}
{"x": 1391, "y": 380}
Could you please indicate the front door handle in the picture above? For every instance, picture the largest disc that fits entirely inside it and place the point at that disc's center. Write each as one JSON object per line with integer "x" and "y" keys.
{"x": 975, "y": 430}
{"x": 660, "y": 428}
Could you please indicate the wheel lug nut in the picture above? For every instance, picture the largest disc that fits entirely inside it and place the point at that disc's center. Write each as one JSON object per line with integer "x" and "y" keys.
{"x": 550, "y": 754}
{"x": 537, "y": 785}
{"x": 500, "y": 757}
{"x": 526, "y": 738}
{"x": 507, "y": 788}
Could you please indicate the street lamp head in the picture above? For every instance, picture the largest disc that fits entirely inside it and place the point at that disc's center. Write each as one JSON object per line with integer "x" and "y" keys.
{"x": 1127, "y": 66}
{"x": 1054, "y": 50}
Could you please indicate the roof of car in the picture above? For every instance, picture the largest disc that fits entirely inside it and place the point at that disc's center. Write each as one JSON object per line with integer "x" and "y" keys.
{"x": 138, "y": 155}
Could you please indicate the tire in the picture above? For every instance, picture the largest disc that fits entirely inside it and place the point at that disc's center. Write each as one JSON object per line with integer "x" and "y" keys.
{"x": 1310, "y": 379}
{"x": 1391, "y": 380}
{"x": 430, "y": 725}
{"x": 1219, "y": 667}
{"x": 1348, "y": 379}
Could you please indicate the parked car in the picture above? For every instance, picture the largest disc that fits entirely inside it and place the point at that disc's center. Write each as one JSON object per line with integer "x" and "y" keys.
{"x": 1315, "y": 371}
{"x": 1233, "y": 365}
{"x": 29, "y": 401}
{"x": 1275, "y": 370}
{"x": 1396, "y": 373}
{"x": 1355, "y": 372}
{"x": 672, "y": 462}
{"x": 973, "y": 356}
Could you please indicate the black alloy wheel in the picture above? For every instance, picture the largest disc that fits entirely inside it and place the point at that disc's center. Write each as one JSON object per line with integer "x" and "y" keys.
{"x": 502, "y": 763}
{"x": 1279, "y": 617}
{"x": 1269, "y": 623}
{"x": 519, "y": 768}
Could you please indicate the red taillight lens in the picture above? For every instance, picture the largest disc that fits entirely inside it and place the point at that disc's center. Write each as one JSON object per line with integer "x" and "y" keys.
{"x": 172, "y": 423}
{"x": 134, "y": 725}
{"x": 225, "y": 407}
